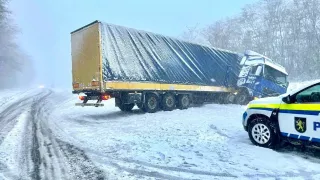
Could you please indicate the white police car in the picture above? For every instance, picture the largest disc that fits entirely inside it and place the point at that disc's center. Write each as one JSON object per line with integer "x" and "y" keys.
{"x": 292, "y": 116}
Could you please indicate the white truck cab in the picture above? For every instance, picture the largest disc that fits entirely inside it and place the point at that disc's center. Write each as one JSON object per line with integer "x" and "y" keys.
{"x": 294, "y": 117}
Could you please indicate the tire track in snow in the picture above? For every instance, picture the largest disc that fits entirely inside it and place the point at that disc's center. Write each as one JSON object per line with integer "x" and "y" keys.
{"x": 181, "y": 170}
{"x": 147, "y": 169}
{"x": 9, "y": 115}
{"x": 155, "y": 173}
{"x": 12, "y": 97}
{"x": 53, "y": 158}
{"x": 86, "y": 169}
{"x": 220, "y": 132}
{"x": 4, "y": 169}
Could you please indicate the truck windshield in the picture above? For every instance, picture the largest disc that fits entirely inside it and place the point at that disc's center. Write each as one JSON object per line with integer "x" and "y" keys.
{"x": 275, "y": 75}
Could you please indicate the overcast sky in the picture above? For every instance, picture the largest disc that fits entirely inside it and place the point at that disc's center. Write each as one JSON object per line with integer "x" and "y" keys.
{"x": 46, "y": 25}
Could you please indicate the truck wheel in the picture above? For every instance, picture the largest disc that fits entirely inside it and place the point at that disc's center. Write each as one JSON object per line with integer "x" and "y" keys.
{"x": 151, "y": 104}
{"x": 126, "y": 107}
{"x": 242, "y": 98}
{"x": 168, "y": 102}
{"x": 230, "y": 98}
{"x": 183, "y": 101}
{"x": 262, "y": 132}
{"x": 222, "y": 99}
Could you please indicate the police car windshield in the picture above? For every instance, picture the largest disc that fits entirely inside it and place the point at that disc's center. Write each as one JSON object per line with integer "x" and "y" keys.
{"x": 275, "y": 75}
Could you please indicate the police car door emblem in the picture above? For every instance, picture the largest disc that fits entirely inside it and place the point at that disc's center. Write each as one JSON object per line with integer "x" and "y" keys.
{"x": 300, "y": 124}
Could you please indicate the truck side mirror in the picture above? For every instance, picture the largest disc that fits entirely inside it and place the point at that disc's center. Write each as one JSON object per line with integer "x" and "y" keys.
{"x": 287, "y": 99}
{"x": 258, "y": 71}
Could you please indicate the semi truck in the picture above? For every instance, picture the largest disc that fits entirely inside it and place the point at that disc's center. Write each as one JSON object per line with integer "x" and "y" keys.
{"x": 156, "y": 72}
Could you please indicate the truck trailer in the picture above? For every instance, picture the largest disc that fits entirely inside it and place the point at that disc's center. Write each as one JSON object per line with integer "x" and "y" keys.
{"x": 157, "y": 72}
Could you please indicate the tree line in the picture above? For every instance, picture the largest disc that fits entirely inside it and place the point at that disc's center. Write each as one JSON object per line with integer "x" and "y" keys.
{"x": 15, "y": 65}
{"x": 287, "y": 31}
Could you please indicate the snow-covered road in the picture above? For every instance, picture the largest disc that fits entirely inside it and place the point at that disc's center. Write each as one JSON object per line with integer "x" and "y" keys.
{"x": 44, "y": 136}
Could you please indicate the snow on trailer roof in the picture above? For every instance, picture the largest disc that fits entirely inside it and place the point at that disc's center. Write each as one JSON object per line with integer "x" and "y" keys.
{"x": 173, "y": 38}
{"x": 79, "y": 29}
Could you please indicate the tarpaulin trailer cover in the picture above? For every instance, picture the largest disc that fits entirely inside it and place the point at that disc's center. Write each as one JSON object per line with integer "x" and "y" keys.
{"x": 130, "y": 55}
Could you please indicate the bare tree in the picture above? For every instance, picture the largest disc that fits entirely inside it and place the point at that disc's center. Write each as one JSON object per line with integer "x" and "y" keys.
{"x": 288, "y": 31}
{"x": 15, "y": 65}
{"x": 194, "y": 34}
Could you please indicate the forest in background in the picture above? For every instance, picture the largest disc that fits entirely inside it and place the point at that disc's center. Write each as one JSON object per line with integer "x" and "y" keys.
{"x": 15, "y": 64}
{"x": 287, "y": 31}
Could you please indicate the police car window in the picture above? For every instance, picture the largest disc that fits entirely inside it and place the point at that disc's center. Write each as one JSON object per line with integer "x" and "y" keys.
{"x": 309, "y": 95}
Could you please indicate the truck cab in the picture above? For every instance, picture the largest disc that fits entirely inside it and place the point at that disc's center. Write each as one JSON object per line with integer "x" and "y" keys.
{"x": 260, "y": 77}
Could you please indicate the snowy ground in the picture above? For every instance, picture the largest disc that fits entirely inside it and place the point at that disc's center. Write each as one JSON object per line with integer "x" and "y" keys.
{"x": 43, "y": 135}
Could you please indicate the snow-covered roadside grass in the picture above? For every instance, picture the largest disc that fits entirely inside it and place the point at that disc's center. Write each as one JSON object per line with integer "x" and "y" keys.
{"x": 206, "y": 142}
{"x": 10, "y": 96}
{"x": 7, "y": 95}
{"x": 10, "y": 147}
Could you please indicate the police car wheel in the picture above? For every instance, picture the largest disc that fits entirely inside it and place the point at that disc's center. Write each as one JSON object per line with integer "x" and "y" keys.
{"x": 262, "y": 132}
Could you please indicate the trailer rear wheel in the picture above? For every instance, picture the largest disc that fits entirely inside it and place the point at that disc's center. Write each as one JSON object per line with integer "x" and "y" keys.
{"x": 151, "y": 103}
{"x": 183, "y": 101}
{"x": 168, "y": 102}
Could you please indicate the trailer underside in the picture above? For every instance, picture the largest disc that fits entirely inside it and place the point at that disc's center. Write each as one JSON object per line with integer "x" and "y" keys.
{"x": 151, "y": 100}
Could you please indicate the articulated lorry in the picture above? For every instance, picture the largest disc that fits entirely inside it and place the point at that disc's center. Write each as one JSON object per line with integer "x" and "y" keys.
{"x": 156, "y": 72}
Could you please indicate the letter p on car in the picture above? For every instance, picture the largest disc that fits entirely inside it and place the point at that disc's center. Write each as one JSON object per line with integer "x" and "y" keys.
{"x": 316, "y": 125}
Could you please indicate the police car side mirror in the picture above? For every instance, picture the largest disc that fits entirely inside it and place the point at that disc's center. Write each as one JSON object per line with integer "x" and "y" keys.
{"x": 287, "y": 99}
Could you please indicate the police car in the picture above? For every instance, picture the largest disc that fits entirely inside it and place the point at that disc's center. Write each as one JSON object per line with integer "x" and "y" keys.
{"x": 293, "y": 117}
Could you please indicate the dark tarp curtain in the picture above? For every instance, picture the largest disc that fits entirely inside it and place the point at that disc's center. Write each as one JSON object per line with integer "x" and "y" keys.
{"x": 133, "y": 55}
